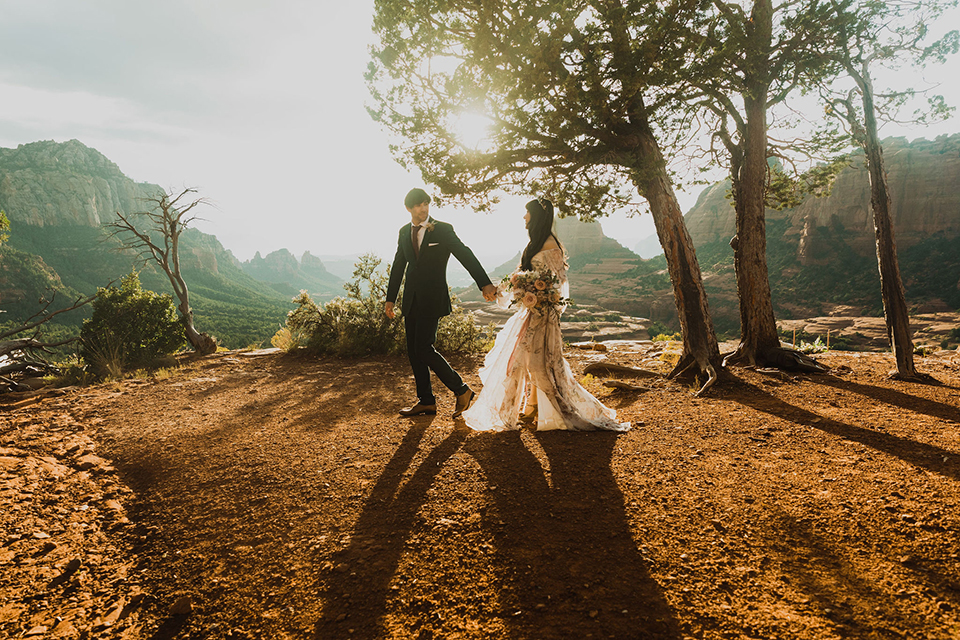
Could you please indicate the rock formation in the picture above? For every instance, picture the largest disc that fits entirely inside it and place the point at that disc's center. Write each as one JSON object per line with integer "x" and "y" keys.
{"x": 287, "y": 274}
{"x": 924, "y": 178}
{"x": 49, "y": 183}
{"x": 58, "y": 196}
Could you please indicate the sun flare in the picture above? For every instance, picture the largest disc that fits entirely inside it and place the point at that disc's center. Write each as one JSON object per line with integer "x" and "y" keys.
{"x": 472, "y": 130}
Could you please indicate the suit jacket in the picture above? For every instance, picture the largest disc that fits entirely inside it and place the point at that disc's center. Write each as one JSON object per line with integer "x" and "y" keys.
{"x": 426, "y": 277}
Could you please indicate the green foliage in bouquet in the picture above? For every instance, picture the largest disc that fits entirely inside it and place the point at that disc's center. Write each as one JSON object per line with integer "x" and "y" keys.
{"x": 357, "y": 325}
{"x": 130, "y": 328}
{"x": 535, "y": 290}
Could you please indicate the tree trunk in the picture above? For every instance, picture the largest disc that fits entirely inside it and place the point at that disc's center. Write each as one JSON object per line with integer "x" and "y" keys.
{"x": 891, "y": 285}
{"x": 758, "y": 327}
{"x": 202, "y": 343}
{"x": 700, "y": 350}
{"x": 759, "y": 341}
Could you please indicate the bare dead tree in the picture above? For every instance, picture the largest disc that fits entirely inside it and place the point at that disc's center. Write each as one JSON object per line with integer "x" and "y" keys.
{"x": 22, "y": 355}
{"x": 155, "y": 235}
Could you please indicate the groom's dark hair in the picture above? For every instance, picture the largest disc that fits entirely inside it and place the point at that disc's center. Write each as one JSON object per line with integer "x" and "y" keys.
{"x": 415, "y": 197}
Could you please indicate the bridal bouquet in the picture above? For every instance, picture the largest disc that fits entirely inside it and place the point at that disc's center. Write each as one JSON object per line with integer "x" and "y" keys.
{"x": 535, "y": 290}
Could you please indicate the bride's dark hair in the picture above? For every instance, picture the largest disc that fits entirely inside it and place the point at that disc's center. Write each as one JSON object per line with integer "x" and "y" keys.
{"x": 539, "y": 229}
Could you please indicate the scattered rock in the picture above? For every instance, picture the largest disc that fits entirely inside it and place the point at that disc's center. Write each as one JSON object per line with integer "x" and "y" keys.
{"x": 89, "y": 462}
{"x": 183, "y": 606}
{"x": 68, "y": 571}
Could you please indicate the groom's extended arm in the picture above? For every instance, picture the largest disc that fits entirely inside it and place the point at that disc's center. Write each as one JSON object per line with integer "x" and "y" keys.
{"x": 396, "y": 277}
{"x": 465, "y": 256}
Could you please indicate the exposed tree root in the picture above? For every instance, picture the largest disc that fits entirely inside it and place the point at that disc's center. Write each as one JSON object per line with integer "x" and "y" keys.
{"x": 607, "y": 368}
{"x": 711, "y": 379}
{"x": 918, "y": 378}
{"x": 687, "y": 363}
{"x": 778, "y": 357}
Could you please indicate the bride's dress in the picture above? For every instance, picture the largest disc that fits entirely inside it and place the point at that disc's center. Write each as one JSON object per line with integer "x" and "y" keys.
{"x": 529, "y": 350}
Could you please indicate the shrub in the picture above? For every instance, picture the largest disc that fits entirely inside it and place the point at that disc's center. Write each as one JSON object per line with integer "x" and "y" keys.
{"x": 666, "y": 337}
{"x": 130, "y": 329}
{"x": 357, "y": 326}
{"x": 658, "y": 328}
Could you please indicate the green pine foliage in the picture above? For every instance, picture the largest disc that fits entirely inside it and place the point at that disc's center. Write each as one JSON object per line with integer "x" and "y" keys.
{"x": 130, "y": 329}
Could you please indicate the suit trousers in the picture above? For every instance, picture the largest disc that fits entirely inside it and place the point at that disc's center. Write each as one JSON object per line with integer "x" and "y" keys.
{"x": 421, "y": 334}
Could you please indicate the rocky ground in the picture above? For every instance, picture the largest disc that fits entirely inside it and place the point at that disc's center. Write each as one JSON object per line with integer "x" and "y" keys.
{"x": 261, "y": 495}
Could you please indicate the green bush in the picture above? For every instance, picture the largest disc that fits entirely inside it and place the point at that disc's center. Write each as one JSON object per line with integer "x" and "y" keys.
{"x": 357, "y": 326}
{"x": 657, "y": 329}
{"x": 130, "y": 329}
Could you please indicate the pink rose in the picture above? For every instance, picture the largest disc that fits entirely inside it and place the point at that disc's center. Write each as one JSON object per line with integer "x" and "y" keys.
{"x": 529, "y": 299}
{"x": 540, "y": 285}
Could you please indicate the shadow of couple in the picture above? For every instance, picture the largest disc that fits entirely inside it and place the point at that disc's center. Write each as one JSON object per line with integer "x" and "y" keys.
{"x": 542, "y": 547}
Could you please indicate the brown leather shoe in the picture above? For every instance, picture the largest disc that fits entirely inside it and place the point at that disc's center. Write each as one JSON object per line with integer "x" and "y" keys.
{"x": 463, "y": 402}
{"x": 419, "y": 409}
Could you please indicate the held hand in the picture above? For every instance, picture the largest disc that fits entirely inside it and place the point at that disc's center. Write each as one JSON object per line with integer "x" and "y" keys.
{"x": 388, "y": 309}
{"x": 490, "y": 293}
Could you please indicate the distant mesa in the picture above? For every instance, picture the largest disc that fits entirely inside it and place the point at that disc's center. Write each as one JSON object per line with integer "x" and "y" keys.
{"x": 286, "y": 274}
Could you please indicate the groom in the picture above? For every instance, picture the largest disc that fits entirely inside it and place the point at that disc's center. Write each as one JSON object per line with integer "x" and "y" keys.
{"x": 423, "y": 249}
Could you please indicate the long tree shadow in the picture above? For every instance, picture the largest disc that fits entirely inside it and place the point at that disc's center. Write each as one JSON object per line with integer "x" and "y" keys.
{"x": 926, "y": 456}
{"x": 821, "y": 568}
{"x": 896, "y": 398}
{"x": 568, "y": 563}
{"x": 356, "y": 592}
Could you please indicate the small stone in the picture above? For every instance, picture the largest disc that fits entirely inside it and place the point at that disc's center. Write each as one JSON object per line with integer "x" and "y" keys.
{"x": 113, "y": 505}
{"x": 40, "y": 535}
{"x": 39, "y": 630}
{"x": 594, "y": 613}
{"x": 908, "y": 559}
{"x": 182, "y": 606}
{"x": 68, "y": 571}
{"x": 718, "y": 525}
{"x": 64, "y": 628}
{"x": 89, "y": 462}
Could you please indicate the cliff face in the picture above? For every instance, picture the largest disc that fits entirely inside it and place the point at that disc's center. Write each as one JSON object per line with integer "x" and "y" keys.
{"x": 924, "y": 182}
{"x": 58, "y": 197}
{"x": 49, "y": 183}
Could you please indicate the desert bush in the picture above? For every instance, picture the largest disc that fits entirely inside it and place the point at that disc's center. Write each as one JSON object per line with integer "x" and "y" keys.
{"x": 130, "y": 328}
{"x": 658, "y": 328}
{"x": 666, "y": 337}
{"x": 356, "y": 325}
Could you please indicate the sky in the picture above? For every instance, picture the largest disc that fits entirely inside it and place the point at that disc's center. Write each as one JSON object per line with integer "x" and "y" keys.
{"x": 261, "y": 107}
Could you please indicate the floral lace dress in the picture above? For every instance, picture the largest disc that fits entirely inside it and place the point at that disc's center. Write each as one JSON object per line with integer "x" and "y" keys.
{"x": 529, "y": 350}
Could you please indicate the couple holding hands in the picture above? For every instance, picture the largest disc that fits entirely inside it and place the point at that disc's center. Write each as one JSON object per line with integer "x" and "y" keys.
{"x": 526, "y": 379}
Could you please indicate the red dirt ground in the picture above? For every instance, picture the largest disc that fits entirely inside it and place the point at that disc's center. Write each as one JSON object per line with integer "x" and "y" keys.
{"x": 262, "y": 495}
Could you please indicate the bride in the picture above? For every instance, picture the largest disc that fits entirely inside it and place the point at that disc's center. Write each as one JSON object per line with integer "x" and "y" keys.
{"x": 527, "y": 358}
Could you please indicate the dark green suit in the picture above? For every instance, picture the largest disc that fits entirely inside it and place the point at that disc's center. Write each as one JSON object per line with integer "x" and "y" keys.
{"x": 426, "y": 299}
